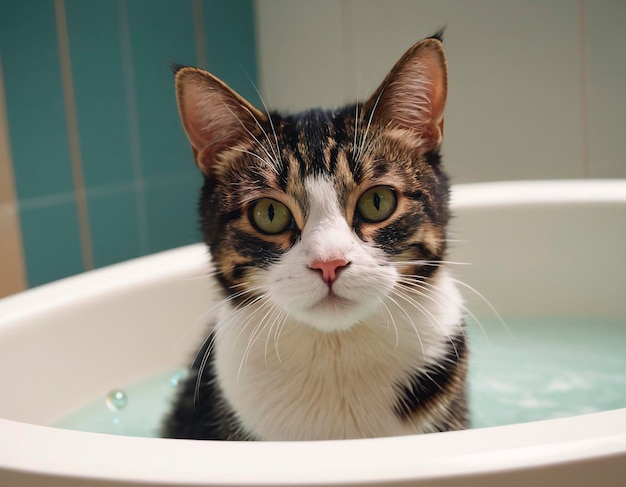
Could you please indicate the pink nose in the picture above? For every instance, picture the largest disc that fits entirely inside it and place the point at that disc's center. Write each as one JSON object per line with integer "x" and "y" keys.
{"x": 329, "y": 269}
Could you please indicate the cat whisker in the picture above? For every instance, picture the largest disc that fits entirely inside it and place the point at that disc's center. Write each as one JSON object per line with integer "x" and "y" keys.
{"x": 412, "y": 323}
{"x": 431, "y": 288}
{"x": 208, "y": 342}
{"x": 356, "y": 127}
{"x": 249, "y": 309}
{"x": 367, "y": 128}
{"x": 256, "y": 333}
{"x": 368, "y": 148}
{"x": 252, "y": 310}
{"x": 486, "y": 301}
{"x": 433, "y": 263}
{"x": 388, "y": 322}
{"x": 258, "y": 142}
{"x": 419, "y": 306}
{"x": 241, "y": 307}
{"x": 247, "y": 323}
{"x": 276, "y": 315}
{"x": 273, "y": 145}
{"x": 277, "y": 144}
{"x": 279, "y": 330}
{"x": 205, "y": 358}
{"x": 269, "y": 117}
{"x": 399, "y": 291}
{"x": 269, "y": 319}
{"x": 250, "y": 153}
{"x": 356, "y": 122}
{"x": 275, "y": 150}
{"x": 245, "y": 288}
{"x": 383, "y": 316}
{"x": 432, "y": 319}
{"x": 217, "y": 330}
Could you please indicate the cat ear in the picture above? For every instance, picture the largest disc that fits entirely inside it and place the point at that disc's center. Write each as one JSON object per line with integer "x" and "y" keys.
{"x": 214, "y": 117}
{"x": 413, "y": 95}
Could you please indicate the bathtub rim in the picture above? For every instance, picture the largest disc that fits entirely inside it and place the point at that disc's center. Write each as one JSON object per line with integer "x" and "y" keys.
{"x": 47, "y": 451}
{"x": 556, "y": 443}
{"x": 528, "y": 192}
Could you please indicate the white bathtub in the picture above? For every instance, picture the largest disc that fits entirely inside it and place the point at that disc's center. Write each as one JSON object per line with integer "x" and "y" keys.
{"x": 68, "y": 342}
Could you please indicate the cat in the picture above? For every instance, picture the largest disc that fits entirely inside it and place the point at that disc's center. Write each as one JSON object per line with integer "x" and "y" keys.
{"x": 327, "y": 230}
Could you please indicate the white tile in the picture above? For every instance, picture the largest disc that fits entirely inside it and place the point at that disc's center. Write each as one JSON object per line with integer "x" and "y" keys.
{"x": 382, "y": 32}
{"x": 515, "y": 99}
{"x": 606, "y": 67}
{"x": 301, "y": 53}
{"x": 514, "y": 106}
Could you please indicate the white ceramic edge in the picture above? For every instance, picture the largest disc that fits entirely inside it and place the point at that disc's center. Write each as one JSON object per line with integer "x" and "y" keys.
{"x": 560, "y": 191}
{"x": 50, "y": 451}
{"x": 185, "y": 262}
{"x": 76, "y": 454}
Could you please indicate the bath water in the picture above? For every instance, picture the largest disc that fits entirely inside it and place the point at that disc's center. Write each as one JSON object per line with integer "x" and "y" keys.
{"x": 537, "y": 369}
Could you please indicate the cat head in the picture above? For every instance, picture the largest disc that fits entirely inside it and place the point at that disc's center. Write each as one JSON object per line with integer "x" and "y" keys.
{"x": 321, "y": 214}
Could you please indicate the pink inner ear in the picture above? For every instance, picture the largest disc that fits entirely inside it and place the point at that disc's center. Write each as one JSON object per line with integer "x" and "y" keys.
{"x": 191, "y": 115}
{"x": 416, "y": 100}
{"x": 438, "y": 92}
{"x": 413, "y": 95}
{"x": 208, "y": 116}
{"x": 215, "y": 118}
{"x": 206, "y": 126}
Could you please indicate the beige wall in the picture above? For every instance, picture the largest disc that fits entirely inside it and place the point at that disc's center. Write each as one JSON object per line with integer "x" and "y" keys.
{"x": 537, "y": 88}
{"x": 12, "y": 270}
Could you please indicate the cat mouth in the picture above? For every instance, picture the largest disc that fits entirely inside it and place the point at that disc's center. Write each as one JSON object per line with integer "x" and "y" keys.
{"x": 332, "y": 313}
{"x": 333, "y": 302}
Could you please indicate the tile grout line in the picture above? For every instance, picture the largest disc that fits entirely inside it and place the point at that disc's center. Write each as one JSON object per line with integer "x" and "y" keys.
{"x": 52, "y": 199}
{"x": 15, "y": 278}
{"x": 347, "y": 48}
{"x": 73, "y": 136}
{"x": 584, "y": 87}
{"x": 133, "y": 128}
{"x": 199, "y": 34}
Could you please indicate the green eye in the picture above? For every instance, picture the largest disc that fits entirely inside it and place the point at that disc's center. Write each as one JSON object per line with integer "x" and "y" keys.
{"x": 376, "y": 204}
{"x": 270, "y": 216}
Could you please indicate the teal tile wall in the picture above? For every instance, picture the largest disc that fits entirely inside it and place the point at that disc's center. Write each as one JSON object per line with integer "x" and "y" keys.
{"x": 137, "y": 169}
{"x": 51, "y": 243}
{"x": 39, "y": 140}
{"x": 160, "y": 33}
{"x": 34, "y": 98}
{"x": 100, "y": 91}
{"x": 114, "y": 223}
{"x": 221, "y": 23}
{"x": 172, "y": 205}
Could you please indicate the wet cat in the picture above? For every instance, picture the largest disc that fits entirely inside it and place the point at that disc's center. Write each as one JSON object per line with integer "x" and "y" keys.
{"x": 327, "y": 230}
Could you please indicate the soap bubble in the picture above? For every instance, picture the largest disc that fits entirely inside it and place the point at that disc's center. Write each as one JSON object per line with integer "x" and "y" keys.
{"x": 116, "y": 400}
{"x": 177, "y": 378}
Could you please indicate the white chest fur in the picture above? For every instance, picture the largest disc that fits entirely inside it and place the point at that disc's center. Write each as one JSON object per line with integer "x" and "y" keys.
{"x": 289, "y": 381}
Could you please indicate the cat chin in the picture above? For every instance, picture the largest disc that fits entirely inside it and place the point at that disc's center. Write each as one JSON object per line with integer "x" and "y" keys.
{"x": 332, "y": 314}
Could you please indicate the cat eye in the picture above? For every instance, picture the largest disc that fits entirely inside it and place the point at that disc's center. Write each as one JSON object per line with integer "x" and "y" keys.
{"x": 270, "y": 216}
{"x": 376, "y": 204}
